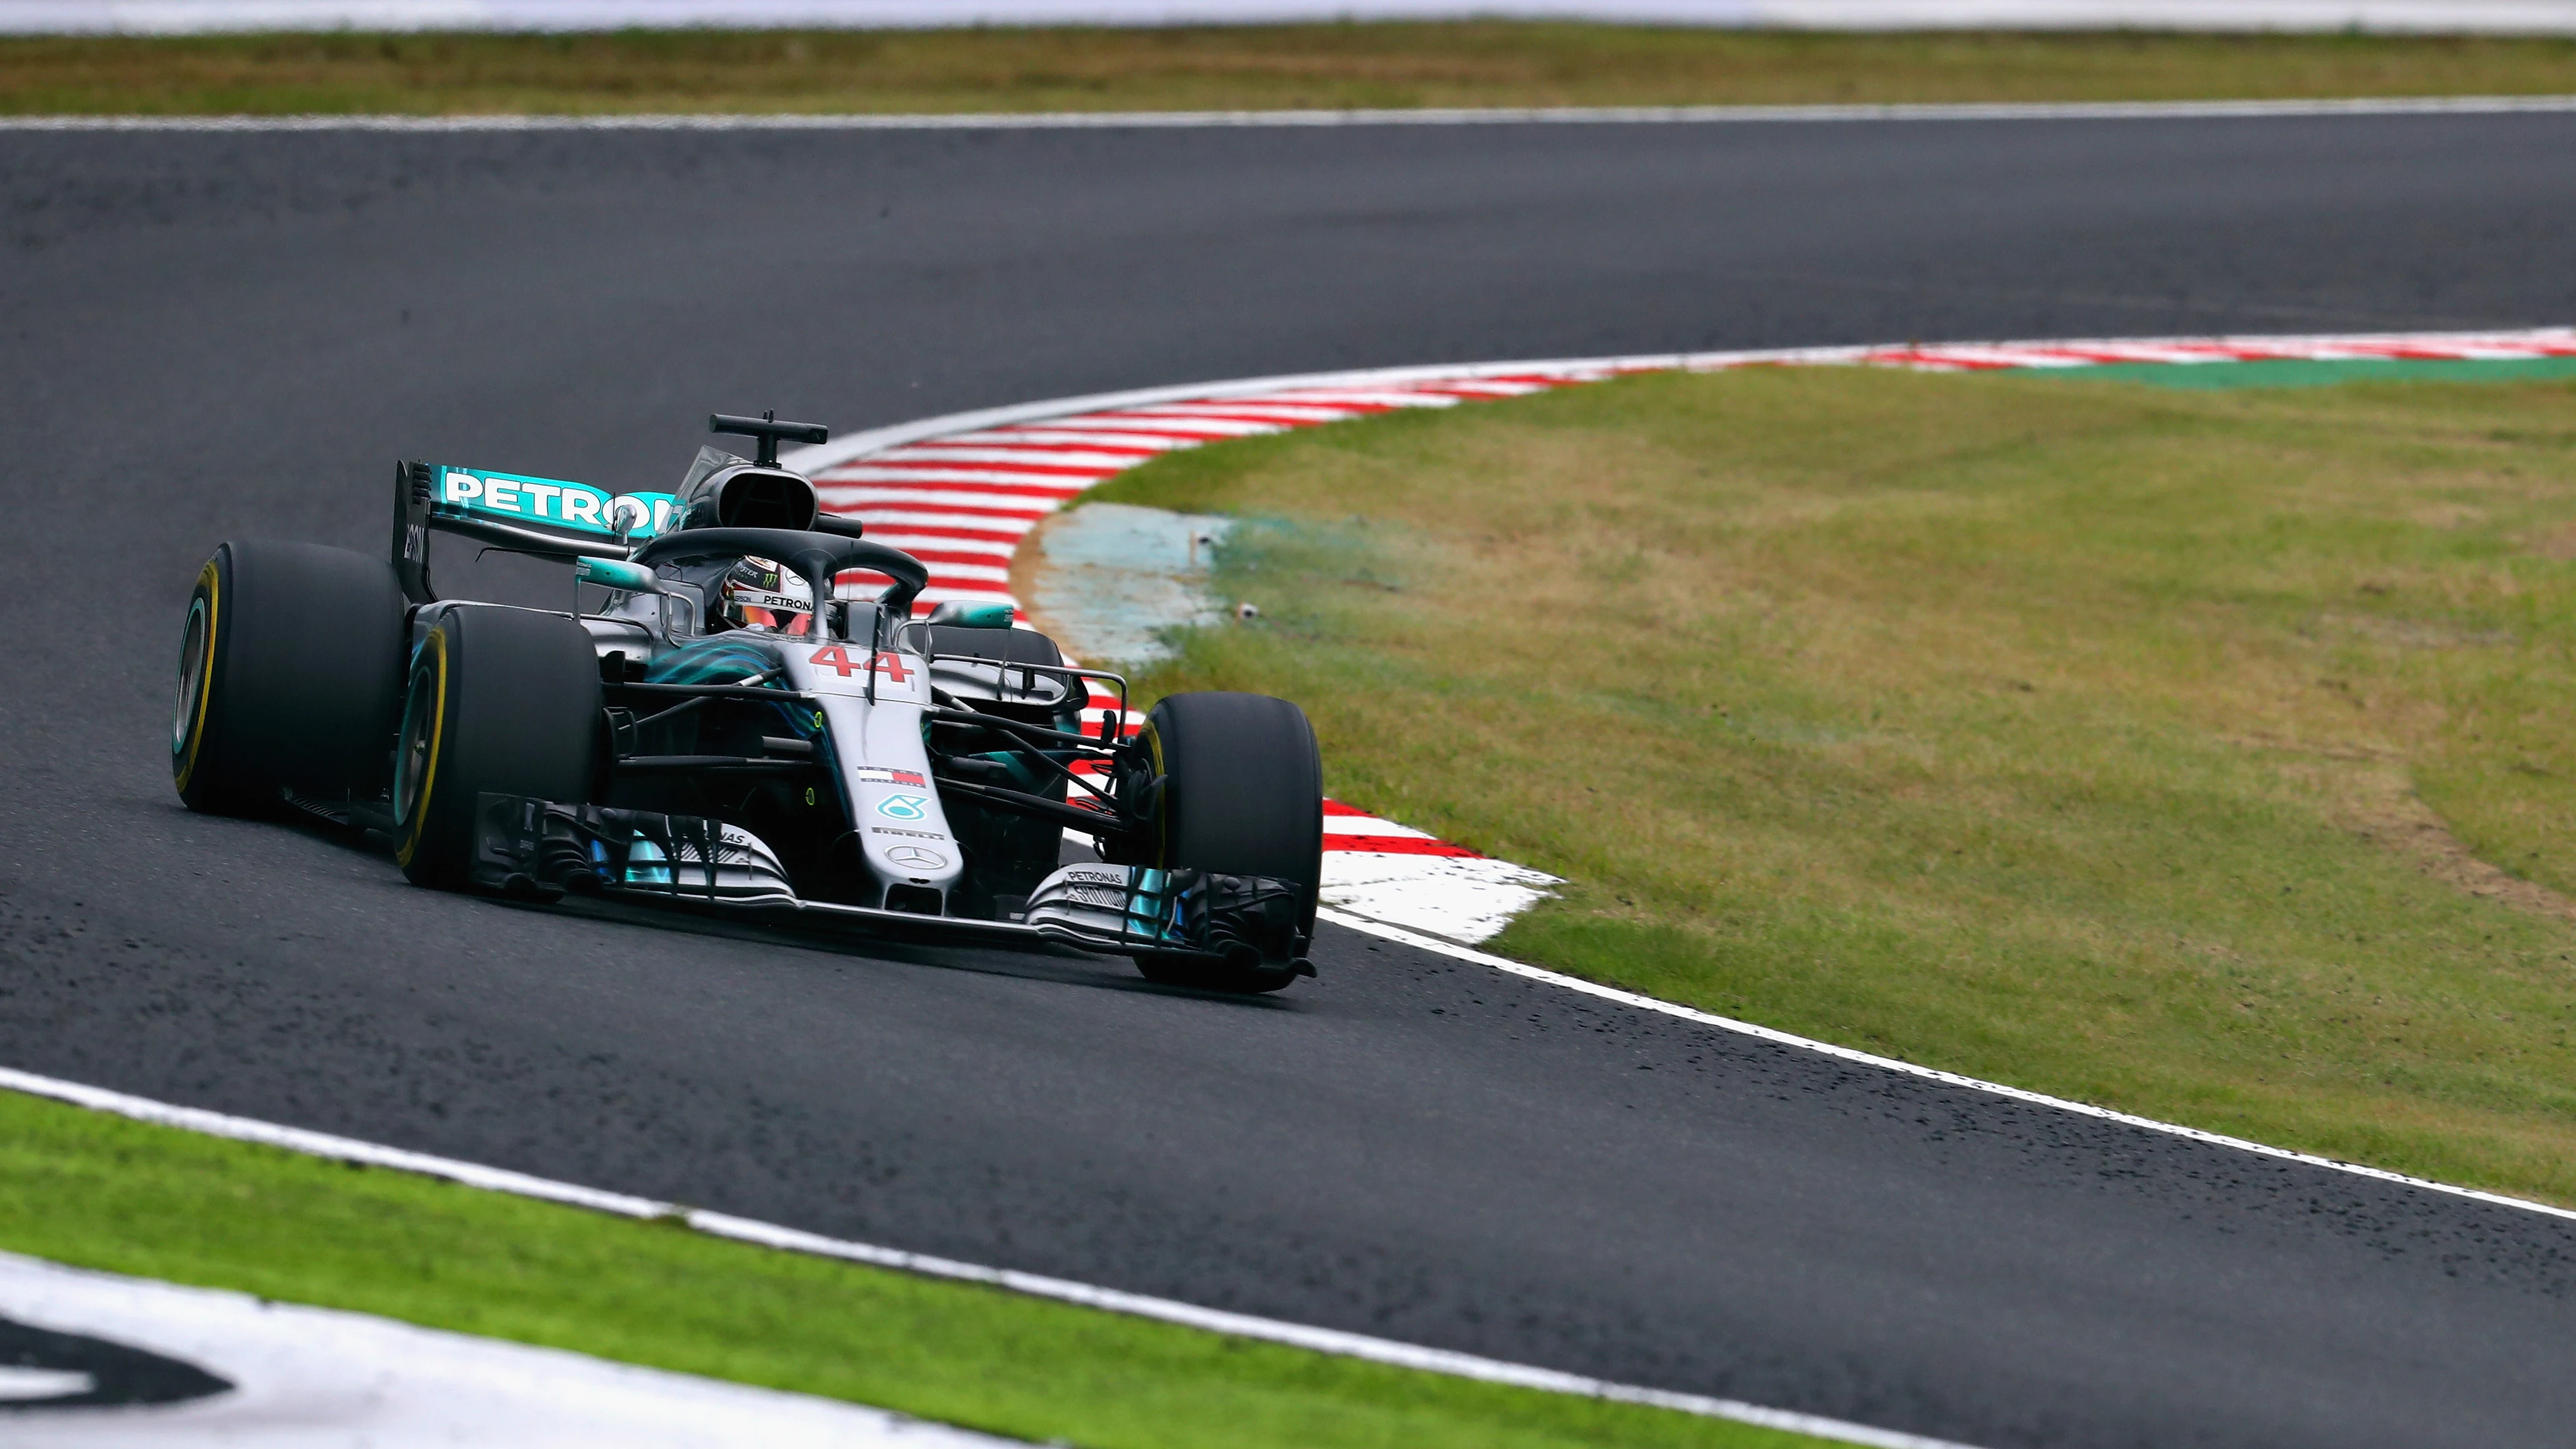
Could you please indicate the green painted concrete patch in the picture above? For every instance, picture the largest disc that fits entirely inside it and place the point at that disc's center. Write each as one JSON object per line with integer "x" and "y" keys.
{"x": 2208, "y": 375}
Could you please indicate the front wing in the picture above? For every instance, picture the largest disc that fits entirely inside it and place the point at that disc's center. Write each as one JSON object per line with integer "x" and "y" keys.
{"x": 528, "y": 847}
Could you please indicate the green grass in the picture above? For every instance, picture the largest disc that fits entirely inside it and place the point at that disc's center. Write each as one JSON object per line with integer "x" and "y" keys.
{"x": 2203, "y": 754}
{"x": 1482, "y": 63}
{"x": 102, "y": 1192}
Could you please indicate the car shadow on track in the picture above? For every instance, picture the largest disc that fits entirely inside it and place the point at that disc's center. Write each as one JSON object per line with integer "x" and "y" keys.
{"x": 1054, "y": 965}
{"x": 1039, "y": 962}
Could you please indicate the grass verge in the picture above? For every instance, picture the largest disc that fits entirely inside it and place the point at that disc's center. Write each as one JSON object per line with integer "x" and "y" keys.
{"x": 1481, "y": 63}
{"x": 102, "y": 1192}
{"x": 2198, "y": 753}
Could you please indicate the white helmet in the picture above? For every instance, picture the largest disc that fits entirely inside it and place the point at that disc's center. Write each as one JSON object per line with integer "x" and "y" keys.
{"x": 758, "y": 594}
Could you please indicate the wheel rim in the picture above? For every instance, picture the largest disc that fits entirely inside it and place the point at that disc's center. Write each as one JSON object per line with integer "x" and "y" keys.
{"x": 192, "y": 677}
{"x": 411, "y": 757}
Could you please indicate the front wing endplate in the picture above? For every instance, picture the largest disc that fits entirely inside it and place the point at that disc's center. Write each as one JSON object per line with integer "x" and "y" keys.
{"x": 529, "y": 847}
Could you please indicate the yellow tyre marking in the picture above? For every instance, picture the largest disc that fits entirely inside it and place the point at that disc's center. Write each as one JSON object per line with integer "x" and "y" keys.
{"x": 1162, "y": 813}
{"x": 437, "y": 734}
{"x": 209, "y": 579}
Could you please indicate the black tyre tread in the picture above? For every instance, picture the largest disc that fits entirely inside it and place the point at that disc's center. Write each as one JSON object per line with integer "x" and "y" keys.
{"x": 304, "y": 678}
{"x": 1243, "y": 794}
{"x": 521, "y": 717}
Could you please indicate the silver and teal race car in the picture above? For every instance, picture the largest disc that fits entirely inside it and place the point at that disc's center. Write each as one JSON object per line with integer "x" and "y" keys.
{"x": 741, "y": 713}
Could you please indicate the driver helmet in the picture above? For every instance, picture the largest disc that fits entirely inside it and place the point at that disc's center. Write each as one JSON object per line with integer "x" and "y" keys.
{"x": 758, "y": 594}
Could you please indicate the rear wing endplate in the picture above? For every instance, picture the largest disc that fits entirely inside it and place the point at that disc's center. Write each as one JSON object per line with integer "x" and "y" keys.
{"x": 547, "y": 517}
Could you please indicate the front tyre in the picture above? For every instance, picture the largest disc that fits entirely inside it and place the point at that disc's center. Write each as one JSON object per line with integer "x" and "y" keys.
{"x": 1243, "y": 794}
{"x": 290, "y": 673}
{"x": 500, "y": 700}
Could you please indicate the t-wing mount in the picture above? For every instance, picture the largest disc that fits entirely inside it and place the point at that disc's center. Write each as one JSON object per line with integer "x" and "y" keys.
{"x": 769, "y": 430}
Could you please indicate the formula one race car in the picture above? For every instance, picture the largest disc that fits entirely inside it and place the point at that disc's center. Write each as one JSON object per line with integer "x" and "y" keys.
{"x": 733, "y": 725}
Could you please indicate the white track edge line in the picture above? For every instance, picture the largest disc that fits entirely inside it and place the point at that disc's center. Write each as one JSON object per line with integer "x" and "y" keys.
{"x": 1332, "y": 1341}
{"x": 1422, "y": 942}
{"x": 1427, "y": 116}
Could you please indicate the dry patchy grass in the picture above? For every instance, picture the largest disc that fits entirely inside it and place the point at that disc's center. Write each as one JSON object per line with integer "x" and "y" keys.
{"x": 2198, "y": 753}
{"x": 1481, "y": 63}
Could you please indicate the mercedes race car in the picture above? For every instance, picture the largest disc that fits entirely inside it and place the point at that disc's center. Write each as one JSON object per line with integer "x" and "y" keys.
{"x": 741, "y": 713}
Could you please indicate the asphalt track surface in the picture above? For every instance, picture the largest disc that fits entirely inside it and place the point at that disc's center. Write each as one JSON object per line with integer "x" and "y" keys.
{"x": 205, "y": 336}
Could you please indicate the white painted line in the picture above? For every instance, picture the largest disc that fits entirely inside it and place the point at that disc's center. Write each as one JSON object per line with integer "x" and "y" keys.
{"x": 1369, "y": 825}
{"x": 1420, "y": 941}
{"x": 1358, "y": 397}
{"x": 1262, "y": 411}
{"x": 966, "y": 575}
{"x": 748, "y": 1230}
{"x": 928, "y": 546}
{"x": 872, "y": 495}
{"x": 1010, "y": 522}
{"x": 1139, "y": 443}
{"x": 1145, "y": 427}
{"x": 1428, "y": 116}
{"x": 1000, "y": 512}
{"x": 1028, "y": 479}
{"x": 1022, "y": 455}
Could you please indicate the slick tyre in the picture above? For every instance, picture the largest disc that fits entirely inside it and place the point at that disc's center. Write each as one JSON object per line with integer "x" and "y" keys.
{"x": 290, "y": 677}
{"x": 504, "y": 700}
{"x": 1243, "y": 793}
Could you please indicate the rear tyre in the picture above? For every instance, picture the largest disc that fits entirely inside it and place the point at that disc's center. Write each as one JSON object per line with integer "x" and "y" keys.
{"x": 501, "y": 700}
{"x": 1243, "y": 794}
{"x": 290, "y": 677}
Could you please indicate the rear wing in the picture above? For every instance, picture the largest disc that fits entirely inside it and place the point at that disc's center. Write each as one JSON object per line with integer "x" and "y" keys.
{"x": 547, "y": 517}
